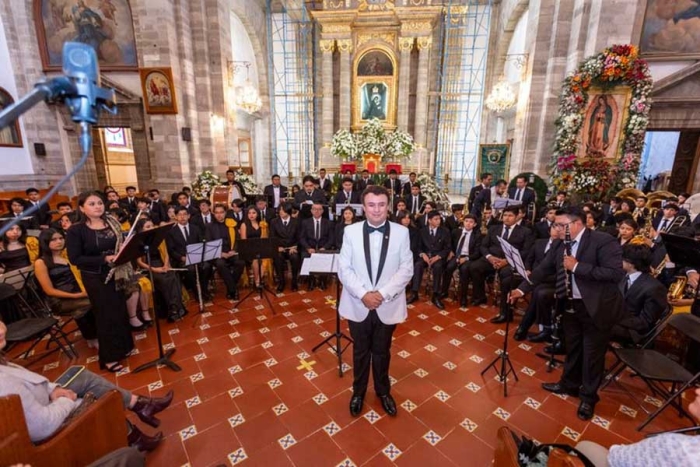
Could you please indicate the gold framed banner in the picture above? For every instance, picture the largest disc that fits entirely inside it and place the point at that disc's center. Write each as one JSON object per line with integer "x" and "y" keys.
{"x": 604, "y": 121}
{"x": 158, "y": 90}
{"x": 374, "y": 87}
{"x": 494, "y": 159}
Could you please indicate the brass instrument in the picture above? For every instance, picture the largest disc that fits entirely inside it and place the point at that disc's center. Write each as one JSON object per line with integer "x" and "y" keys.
{"x": 677, "y": 222}
{"x": 484, "y": 228}
{"x": 531, "y": 212}
{"x": 660, "y": 268}
{"x": 678, "y": 289}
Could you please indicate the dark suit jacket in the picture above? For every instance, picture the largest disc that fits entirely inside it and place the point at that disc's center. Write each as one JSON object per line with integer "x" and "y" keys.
{"x": 326, "y": 236}
{"x": 316, "y": 196}
{"x": 397, "y": 186}
{"x": 159, "y": 212}
{"x": 452, "y": 224}
{"x": 657, "y": 222}
{"x": 42, "y": 216}
{"x": 289, "y": 235}
{"x": 409, "y": 202}
{"x": 326, "y": 185}
{"x": 217, "y": 230}
{"x": 361, "y": 184}
{"x": 520, "y": 237}
{"x": 528, "y": 195}
{"x": 177, "y": 246}
{"x": 198, "y": 220}
{"x": 269, "y": 214}
{"x": 238, "y": 218}
{"x": 473, "y": 193}
{"x": 414, "y": 236}
{"x": 129, "y": 206}
{"x": 439, "y": 245}
{"x": 269, "y": 193}
{"x": 542, "y": 229}
{"x": 597, "y": 276}
{"x": 407, "y": 188}
{"x": 29, "y": 224}
{"x": 474, "y": 243}
{"x": 483, "y": 199}
{"x": 645, "y": 302}
{"x": 340, "y": 197}
{"x": 537, "y": 255}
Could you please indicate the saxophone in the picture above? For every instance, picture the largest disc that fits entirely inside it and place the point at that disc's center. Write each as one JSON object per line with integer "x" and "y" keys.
{"x": 484, "y": 228}
{"x": 677, "y": 290}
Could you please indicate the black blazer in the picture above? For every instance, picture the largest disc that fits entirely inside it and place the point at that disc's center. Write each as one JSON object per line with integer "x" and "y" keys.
{"x": 414, "y": 237}
{"x": 528, "y": 195}
{"x": 326, "y": 236}
{"x": 42, "y": 216}
{"x": 177, "y": 246}
{"x": 338, "y": 235}
{"x": 340, "y": 197}
{"x": 645, "y": 302}
{"x": 361, "y": 184}
{"x": 473, "y": 193}
{"x": 289, "y": 235}
{"x": 407, "y": 188}
{"x": 216, "y": 230}
{"x": 317, "y": 196}
{"x": 325, "y": 185}
{"x": 542, "y": 229}
{"x": 396, "y": 188}
{"x": 409, "y": 202}
{"x": 159, "y": 212}
{"x": 474, "y": 243}
{"x": 439, "y": 245}
{"x": 520, "y": 237}
{"x": 129, "y": 205}
{"x": 537, "y": 255}
{"x": 597, "y": 275}
{"x": 657, "y": 222}
{"x": 269, "y": 193}
{"x": 452, "y": 224}
{"x": 269, "y": 214}
{"x": 236, "y": 217}
{"x": 483, "y": 199}
{"x": 198, "y": 220}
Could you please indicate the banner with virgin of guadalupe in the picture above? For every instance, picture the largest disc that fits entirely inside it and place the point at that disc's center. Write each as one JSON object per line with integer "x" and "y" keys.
{"x": 603, "y": 123}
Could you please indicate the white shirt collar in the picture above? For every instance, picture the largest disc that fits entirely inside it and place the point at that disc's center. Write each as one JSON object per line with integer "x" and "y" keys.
{"x": 633, "y": 277}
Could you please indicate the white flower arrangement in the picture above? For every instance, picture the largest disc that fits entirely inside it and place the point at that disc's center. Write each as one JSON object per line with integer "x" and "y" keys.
{"x": 372, "y": 139}
{"x": 344, "y": 145}
{"x": 431, "y": 190}
{"x": 249, "y": 185}
{"x": 203, "y": 185}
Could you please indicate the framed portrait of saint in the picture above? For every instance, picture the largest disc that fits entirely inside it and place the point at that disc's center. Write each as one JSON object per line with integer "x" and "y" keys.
{"x": 10, "y": 136}
{"x": 158, "y": 90}
{"x": 603, "y": 122}
{"x": 106, "y": 25}
{"x": 374, "y": 88}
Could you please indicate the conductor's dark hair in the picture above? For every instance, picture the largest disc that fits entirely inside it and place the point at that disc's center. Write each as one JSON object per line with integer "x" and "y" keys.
{"x": 639, "y": 256}
{"x": 376, "y": 190}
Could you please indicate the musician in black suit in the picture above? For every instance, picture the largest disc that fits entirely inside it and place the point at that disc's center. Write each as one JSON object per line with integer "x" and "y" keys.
{"x": 486, "y": 180}
{"x": 347, "y": 195}
{"x": 275, "y": 192}
{"x": 610, "y": 209}
{"x": 325, "y": 183}
{"x": 317, "y": 234}
{"x": 183, "y": 200}
{"x": 393, "y": 184}
{"x": 236, "y": 212}
{"x": 543, "y": 228}
{"x": 484, "y": 198}
{"x": 560, "y": 201}
{"x": 157, "y": 208}
{"x": 229, "y": 266}
{"x": 265, "y": 212}
{"x": 542, "y": 301}
{"x": 308, "y": 196}
{"x": 414, "y": 200}
{"x": 129, "y": 201}
{"x": 668, "y": 219}
{"x": 231, "y": 181}
{"x": 521, "y": 192}
{"x": 412, "y": 180}
{"x": 466, "y": 249}
{"x": 363, "y": 182}
{"x": 42, "y": 217}
{"x": 595, "y": 270}
{"x": 645, "y": 297}
{"x": 17, "y": 206}
{"x": 182, "y": 234}
{"x": 493, "y": 260}
{"x": 428, "y": 207}
{"x": 455, "y": 220}
{"x": 286, "y": 229}
{"x": 435, "y": 246}
{"x": 204, "y": 216}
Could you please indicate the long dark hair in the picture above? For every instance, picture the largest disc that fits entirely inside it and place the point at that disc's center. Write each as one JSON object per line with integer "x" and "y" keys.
{"x": 22, "y": 236}
{"x": 140, "y": 223}
{"x": 45, "y": 252}
{"x": 342, "y": 215}
{"x": 81, "y": 202}
{"x": 257, "y": 214}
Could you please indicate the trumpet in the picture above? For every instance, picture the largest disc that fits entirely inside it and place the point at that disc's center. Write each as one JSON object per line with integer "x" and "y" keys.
{"x": 660, "y": 268}
{"x": 679, "y": 288}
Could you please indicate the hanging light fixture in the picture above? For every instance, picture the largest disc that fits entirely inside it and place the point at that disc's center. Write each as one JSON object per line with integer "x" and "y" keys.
{"x": 502, "y": 97}
{"x": 247, "y": 96}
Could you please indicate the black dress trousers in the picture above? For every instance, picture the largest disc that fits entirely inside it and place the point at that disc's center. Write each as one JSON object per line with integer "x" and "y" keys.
{"x": 372, "y": 343}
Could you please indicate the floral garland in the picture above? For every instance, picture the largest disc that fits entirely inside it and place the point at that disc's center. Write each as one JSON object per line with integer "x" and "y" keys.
{"x": 203, "y": 185}
{"x": 615, "y": 66}
{"x": 372, "y": 139}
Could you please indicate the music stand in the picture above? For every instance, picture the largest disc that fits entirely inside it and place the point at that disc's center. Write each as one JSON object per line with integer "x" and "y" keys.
{"x": 357, "y": 208}
{"x": 198, "y": 253}
{"x": 258, "y": 249}
{"x": 331, "y": 270}
{"x": 136, "y": 246}
{"x": 515, "y": 261}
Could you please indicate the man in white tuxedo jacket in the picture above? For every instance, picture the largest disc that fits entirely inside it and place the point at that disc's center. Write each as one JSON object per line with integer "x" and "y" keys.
{"x": 376, "y": 264}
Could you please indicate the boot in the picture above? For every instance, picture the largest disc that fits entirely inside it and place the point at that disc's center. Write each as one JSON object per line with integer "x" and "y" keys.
{"x": 141, "y": 441}
{"x": 146, "y": 407}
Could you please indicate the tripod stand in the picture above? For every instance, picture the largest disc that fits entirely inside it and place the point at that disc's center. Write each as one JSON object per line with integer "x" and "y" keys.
{"x": 199, "y": 253}
{"x": 259, "y": 249}
{"x": 503, "y": 358}
{"x": 552, "y": 361}
{"x": 338, "y": 348}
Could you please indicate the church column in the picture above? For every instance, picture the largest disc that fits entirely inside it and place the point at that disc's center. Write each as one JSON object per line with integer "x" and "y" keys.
{"x": 326, "y": 46}
{"x": 405, "y": 46}
{"x": 420, "y": 136}
{"x": 345, "y": 49}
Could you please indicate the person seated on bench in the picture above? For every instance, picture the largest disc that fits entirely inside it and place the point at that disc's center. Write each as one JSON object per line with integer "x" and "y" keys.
{"x": 46, "y": 405}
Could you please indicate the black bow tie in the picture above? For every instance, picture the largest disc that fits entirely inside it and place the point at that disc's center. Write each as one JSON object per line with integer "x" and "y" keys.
{"x": 381, "y": 229}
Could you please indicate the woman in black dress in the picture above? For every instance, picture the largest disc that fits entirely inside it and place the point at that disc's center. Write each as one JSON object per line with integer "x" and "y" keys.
{"x": 13, "y": 249}
{"x": 92, "y": 245}
{"x": 347, "y": 217}
{"x": 251, "y": 229}
{"x": 404, "y": 218}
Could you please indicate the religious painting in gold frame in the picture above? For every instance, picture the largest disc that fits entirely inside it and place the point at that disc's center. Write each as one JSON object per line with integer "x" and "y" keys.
{"x": 604, "y": 121}
{"x": 374, "y": 87}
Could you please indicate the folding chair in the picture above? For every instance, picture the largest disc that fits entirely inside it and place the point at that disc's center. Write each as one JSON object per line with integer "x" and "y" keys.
{"x": 658, "y": 370}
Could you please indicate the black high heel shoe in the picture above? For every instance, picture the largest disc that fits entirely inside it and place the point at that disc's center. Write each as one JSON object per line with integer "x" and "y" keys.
{"x": 147, "y": 323}
{"x": 113, "y": 368}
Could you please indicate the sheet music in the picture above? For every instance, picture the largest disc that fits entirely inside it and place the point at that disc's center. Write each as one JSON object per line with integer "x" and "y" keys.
{"x": 514, "y": 259}
{"x": 212, "y": 250}
{"x": 320, "y": 262}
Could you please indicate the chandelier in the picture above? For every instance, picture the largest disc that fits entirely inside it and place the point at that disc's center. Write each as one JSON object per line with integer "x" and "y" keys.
{"x": 502, "y": 97}
{"x": 247, "y": 96}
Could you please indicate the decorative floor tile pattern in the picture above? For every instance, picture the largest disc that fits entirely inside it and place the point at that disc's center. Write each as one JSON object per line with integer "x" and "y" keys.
{"x": 287, "y": 398}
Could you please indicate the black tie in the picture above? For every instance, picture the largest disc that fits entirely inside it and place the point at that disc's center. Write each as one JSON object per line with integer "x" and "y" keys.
{"x": 560, "y": 287}
{"x": 461, "y": 244}
{"x": 506, "y": 233}
{"x": 285, "y": 224}
{"x": 517, "y": 195}
{"x": 187, "y": 233}
{"x": 663, "y": 226}
{"x": 627, "y": 285}
{"x": 316, "y": 230}
{"x": 432, "y": 233}
{"x": 415, "y": 204}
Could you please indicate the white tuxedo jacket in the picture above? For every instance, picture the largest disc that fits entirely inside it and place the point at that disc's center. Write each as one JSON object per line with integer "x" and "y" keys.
{"x": 353, "y": 273}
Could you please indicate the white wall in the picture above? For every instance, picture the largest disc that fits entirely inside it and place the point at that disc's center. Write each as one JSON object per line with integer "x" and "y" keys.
{"x": 13, "y": 161}
{"x": 659, "y": 152}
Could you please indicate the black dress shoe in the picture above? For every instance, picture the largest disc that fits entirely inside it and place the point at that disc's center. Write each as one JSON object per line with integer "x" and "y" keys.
{"x": 556, "y": 348}
{"x": 295, "y": 287}
{"x": 585, "y": 411}
{"x": 141, "y": 441}
{"x": 542, "y": 336}
{"x": 501, "y": 318}
{"x": 463, "y": 303}
{"x": 412, "y": 298}
{"x": 438, "y": 303}
{"x": 356, "y": 404}
{"x": 520, "y": 334}
{"x": 280, "y": 288}
{"x": 388, "y": 404}
{"x": 480, "y": 301}
{"x": 557, "y": 388}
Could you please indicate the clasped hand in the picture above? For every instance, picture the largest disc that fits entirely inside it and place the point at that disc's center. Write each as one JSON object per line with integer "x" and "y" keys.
{"x": 372, "y": 300}
{"x": 60, "y": 392}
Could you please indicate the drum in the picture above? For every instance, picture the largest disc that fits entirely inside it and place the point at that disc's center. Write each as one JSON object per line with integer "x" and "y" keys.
{"x": 220, "y": 195}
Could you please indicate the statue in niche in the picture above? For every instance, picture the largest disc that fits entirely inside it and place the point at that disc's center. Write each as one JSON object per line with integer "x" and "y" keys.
{"x": 374, "y": 101}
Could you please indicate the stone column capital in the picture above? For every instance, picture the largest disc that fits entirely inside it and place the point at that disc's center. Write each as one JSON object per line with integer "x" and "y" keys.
{"x": 406, "y": 43}
{"x": 344, "y": 45}
{"x": 425, "y": 42}
{"x": 327, "y": 45}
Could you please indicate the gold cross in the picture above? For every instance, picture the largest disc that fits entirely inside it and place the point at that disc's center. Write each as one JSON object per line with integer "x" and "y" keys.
{"x": 331, "y": 301}
{"x": 308, "y": 366}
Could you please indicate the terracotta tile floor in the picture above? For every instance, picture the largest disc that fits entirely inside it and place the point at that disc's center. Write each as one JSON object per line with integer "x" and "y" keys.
{"x": 252, "y": 392}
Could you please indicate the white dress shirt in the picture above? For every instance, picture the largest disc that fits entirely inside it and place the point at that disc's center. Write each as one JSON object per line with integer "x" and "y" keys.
{"x": 466, "y": 235}
{"x": 574, "y": 248}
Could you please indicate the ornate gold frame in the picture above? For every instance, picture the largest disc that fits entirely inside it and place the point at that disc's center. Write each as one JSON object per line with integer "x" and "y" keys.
{"x": 391, "y": 83}
{"x": 626, "y": 93}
